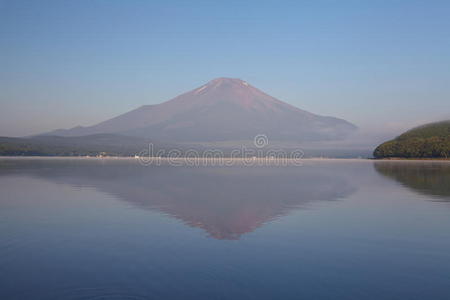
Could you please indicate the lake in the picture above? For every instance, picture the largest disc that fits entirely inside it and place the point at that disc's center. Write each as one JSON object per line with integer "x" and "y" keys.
{"x": 326, "y": 229}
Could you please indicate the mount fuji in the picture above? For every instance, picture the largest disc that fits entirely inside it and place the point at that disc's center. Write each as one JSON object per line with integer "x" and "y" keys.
{"x": 224, "y": 109}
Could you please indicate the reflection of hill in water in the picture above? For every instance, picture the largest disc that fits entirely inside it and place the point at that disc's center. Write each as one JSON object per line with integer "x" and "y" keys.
{"x": 428, "y": 178}
{"x": 226, "y": 202}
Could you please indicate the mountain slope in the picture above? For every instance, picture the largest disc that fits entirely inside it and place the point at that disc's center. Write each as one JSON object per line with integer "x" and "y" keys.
{"x": 427, "y": 141}
{"x": 224, "y": 109}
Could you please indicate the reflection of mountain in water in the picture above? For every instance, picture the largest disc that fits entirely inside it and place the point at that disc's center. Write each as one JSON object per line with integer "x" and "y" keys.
{"x": 226, "y": 202}
{"x": 428, "y": 178}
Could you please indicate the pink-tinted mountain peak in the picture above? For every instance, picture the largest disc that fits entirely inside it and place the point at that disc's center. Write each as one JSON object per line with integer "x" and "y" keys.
{"x": 224, "y": 109}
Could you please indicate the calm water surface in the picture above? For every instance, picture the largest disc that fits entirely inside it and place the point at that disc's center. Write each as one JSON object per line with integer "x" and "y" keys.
{"x": 113, "y": 229}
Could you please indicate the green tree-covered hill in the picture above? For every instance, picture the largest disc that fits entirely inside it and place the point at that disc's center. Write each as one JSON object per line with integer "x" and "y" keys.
{"x": 427, "y": 141}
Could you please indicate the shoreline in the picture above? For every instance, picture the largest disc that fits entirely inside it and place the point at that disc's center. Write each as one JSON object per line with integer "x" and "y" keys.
{"x": 409, "y": 159}
{"x": 220, "y": 158}
{"x": 181, "y": 157}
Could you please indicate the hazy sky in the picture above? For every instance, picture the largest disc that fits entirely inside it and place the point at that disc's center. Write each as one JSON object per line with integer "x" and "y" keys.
{"x": 383, "y": 65}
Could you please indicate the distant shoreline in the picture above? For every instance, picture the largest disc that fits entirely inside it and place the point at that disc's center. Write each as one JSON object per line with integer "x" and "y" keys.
{"x": 181, "y": 157}
{"x": 212, "y": 159}
{"x": 218, "y": 158}
{"x": 410, "y": 159}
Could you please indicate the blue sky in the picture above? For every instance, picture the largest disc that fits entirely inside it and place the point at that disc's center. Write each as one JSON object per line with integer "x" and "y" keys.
{"x": 383, "y": 65}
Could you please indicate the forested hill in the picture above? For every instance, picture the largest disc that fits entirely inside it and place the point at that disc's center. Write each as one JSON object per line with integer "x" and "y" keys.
{"x": 427, "y": 141}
